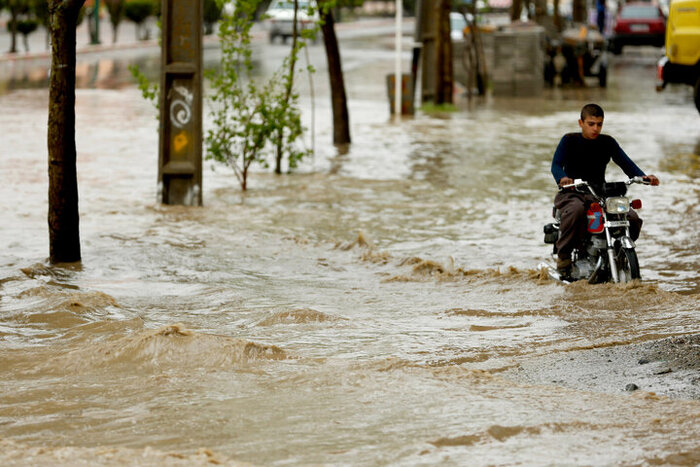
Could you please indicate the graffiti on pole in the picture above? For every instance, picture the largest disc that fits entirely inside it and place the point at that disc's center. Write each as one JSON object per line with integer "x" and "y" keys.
{"x": 181, "y": 105}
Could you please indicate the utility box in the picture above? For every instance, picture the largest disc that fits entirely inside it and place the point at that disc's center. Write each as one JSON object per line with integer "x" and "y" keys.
{"x": 516, "y": 60}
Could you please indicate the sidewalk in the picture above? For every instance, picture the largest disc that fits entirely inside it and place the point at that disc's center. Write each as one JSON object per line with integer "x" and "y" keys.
{"x": 126, "y": 38}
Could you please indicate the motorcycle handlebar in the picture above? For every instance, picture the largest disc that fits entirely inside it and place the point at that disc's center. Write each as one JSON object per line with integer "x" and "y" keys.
{"x": 642, "y": 180}
{"x": 581, "y": 183}
{"x": 576, "y": 184}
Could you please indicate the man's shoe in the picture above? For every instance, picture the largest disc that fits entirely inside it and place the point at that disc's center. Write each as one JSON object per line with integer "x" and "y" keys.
{"x": 564, "y": 269}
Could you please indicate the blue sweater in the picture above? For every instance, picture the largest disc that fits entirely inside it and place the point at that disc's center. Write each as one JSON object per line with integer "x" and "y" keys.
{"x": 578, "y": 157}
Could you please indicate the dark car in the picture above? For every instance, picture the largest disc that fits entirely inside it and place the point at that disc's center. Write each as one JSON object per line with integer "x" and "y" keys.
{"x": 638, "y": 24}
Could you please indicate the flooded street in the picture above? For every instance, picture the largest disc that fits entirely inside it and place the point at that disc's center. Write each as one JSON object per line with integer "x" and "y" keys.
{"x": 368, "y": 309}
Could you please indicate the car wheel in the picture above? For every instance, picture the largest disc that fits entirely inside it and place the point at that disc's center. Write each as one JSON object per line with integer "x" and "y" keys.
{"x": 272, "y": 37}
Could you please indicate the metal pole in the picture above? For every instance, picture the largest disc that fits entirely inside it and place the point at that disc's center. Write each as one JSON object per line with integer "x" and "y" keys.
{"x": 398, "y": 76}
{"x": 97, "y": 21}
{"x": 180, "y": 153}
{"x": 95, "y": 39}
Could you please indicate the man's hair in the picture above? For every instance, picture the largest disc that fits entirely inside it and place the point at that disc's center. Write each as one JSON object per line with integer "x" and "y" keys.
{"x": 591, "y": 110}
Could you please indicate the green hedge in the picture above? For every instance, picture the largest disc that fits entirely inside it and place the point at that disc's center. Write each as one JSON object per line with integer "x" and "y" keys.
{"x": 138, "y": 10}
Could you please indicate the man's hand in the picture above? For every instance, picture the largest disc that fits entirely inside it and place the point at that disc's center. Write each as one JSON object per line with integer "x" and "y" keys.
{"x": 567, "y": 181}
{"x": 652, "y": 179}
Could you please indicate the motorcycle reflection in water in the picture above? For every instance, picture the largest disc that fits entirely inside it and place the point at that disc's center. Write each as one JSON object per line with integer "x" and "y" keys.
{"x": 607, "y": 252}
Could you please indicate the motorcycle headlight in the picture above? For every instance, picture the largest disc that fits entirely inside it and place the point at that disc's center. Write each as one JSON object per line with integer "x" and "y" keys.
{"x": 619, "y": 205}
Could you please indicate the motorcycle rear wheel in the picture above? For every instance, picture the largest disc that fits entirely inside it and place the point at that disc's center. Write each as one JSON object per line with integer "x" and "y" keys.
{"x": 627, "y": 264}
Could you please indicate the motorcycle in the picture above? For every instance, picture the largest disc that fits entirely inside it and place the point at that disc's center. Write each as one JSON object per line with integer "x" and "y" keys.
{"x": 608, "y": 252}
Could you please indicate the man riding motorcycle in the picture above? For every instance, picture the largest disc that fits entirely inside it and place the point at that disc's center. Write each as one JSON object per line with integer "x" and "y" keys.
{"x": 585, "y": 156}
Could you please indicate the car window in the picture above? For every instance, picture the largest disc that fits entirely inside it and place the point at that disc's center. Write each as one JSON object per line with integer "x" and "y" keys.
{"x": 639, "y": 12}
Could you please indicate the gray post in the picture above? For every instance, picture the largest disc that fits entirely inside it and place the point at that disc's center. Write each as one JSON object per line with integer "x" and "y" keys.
{"x": 180, "y": 155}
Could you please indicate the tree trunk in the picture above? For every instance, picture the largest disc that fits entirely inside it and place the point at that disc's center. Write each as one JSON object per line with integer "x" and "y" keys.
{"x": 341, "y": 117}
{"x": 540, "y": 10}
{"x": 477, "y": 50}
{"x": 579, "y": 11}
{"x": 14, "y": 13}
{"x": 515, "y": 10}
{"x": 444, "y": 84}
{"x": 64, "y": 234}
{"x": 289, "y": 86}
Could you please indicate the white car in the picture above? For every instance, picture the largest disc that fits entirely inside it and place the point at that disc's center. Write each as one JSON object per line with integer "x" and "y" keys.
{"x": 457, "y": 25}
{"x": 280, "y": 18}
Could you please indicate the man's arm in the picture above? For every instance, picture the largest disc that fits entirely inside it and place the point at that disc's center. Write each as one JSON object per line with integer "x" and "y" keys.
{"x": 626, "y": 164}
{"x": 629, "y": 167}
{"x": 558, "y": 163}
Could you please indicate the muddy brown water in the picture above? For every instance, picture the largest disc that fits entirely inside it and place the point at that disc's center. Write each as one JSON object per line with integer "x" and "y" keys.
{"x": 359, "y": 311}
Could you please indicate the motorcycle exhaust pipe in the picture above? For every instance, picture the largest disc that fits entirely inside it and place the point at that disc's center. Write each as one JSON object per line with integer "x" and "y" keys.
{"x": 594, "y": 274}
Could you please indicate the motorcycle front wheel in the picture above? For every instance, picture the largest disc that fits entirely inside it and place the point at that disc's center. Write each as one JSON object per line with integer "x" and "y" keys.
{"x": 627, "y": 264}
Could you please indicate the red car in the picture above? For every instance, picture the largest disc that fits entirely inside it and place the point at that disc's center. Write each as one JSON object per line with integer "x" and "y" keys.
{"x": 638, "y": 23}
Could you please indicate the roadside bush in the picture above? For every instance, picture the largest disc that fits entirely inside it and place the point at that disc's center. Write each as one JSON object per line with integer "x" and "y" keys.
{"x": 212, "y": 14}
{"x": 115, "y": 8}
{"x": 157, "y": 8}
{"x": 138, "y": 11}
{"x": 25, "y": 27}
{"x": 41, "y": 12}
{"x": 16, "y": 9}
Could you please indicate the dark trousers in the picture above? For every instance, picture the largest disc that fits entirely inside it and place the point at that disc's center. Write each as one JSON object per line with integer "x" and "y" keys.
{"x": 601, "y": 21}
{"x": 573, "y": 224}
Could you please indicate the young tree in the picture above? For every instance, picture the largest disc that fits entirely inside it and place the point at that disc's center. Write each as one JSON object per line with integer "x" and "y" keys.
{"x": 578, "y": 13}
{"x": 248, "y": 116}
{"x": 41, "y": 11}
{"x": 92, "y": 12}
{"x": 474, "y": 50}
{"x": 341, "y": 117}
{"x": 64, "y": 235}
{"x": 138, "y": 11}
{"x": 557, "y": 16}
{"x": 115, "y": 8}
{"x": 212, "y": 14}
{"x": 436, "y": 54}
{"x": 445, "y": 83}
{"x": 26, "y": 26}
{"x": 286, "y": 111}
{"x": 16, "y": 8}
{"x": 516, "y": 8}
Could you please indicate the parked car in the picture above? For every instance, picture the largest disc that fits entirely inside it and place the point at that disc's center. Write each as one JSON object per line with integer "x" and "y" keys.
{"x": 681, "y": 63}
{"x": 280, "y": 18}
{"x": 457, "y": 25}
{"x": 638, "y": 23}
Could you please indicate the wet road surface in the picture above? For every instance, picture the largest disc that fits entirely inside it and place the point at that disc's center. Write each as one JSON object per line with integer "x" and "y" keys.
{"x": 366, "y": 309}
